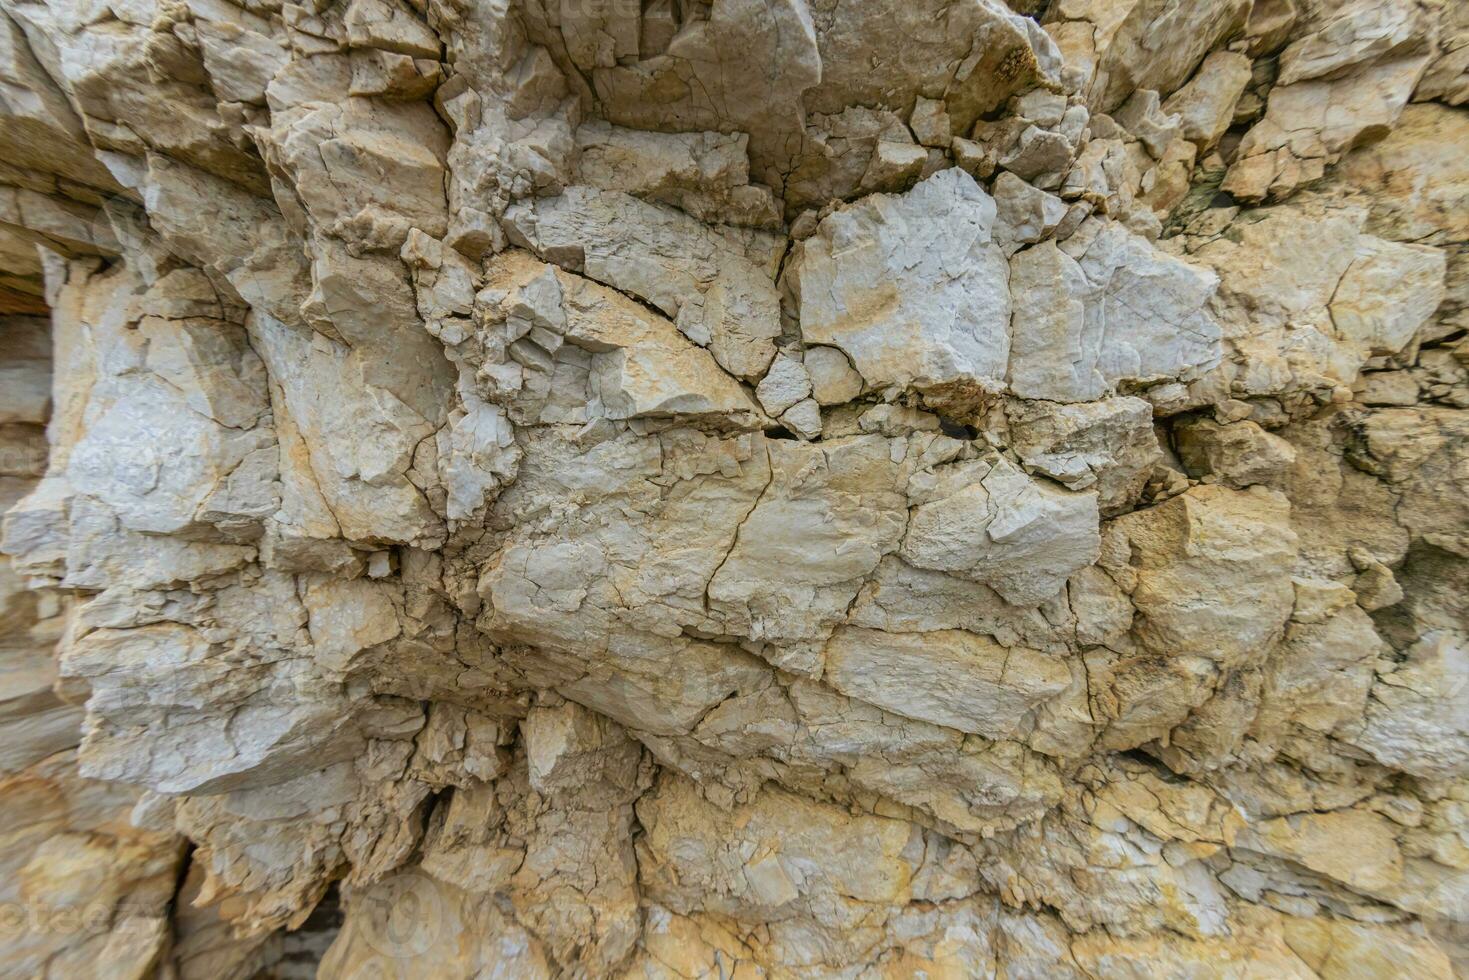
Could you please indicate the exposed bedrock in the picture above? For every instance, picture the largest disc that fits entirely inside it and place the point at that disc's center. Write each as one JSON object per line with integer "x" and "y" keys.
{"x": 687, "y": 489}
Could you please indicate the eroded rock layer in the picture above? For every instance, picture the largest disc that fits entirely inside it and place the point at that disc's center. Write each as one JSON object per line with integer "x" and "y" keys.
{"x": 673, "y": 488}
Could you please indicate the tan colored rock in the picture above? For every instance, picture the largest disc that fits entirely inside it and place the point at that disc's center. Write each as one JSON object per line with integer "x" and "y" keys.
{"x": 1074, "y": 336}
{"x": 1352, "y": 34}
{"x": 1386, "y": 295}
{"x": 822, "y": 523}
{"x": 770, "y": 873}
{"x": 1318, "y": 678}
{"x": 833, "y": 379}
{"x": 1128, "y": 45}
{"x": 705, "y": 174}
{"x": 84, "y": 886}
{"x": 1237, "y": 455}
{"x": 1357, "y": 848}
{"x": 565, "y": 349}
{"x": 718, "y": 297}
{"x": 386, "y": 25}
{"x": 1445, "y": 79}
{"x": 1336, "y": 948}
{"x": 1270, "y": 953}
{"x": 930, "y": 122}
{"x": 1417, "y": 716}
{"x": 1205, "y": 576}
{"x": 733, "y": 490}
{"x": 904, "y": 324}
{"x": 783, "y": 385}
{"x": 951, "y": 678}
{"x": 1109, "y": 446}
{"x": 414, "y": 922}
{"x": 1205, "y": 106}
{"x": 1342, "y": 84}
{"x": 992, "y": 524}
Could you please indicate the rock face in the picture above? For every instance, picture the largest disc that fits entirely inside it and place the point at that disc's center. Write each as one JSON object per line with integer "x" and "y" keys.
{"x": 695, "y": 489}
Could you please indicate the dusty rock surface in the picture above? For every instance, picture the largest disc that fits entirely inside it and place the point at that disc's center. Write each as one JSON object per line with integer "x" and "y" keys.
{"x": 718, "y": 489}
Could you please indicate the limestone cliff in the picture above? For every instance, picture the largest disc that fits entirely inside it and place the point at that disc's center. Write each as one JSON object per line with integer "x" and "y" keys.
{"x": 732, "y": 489}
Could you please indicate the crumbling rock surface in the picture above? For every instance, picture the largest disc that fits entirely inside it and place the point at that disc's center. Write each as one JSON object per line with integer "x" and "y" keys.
{"x": 683, "y": 489}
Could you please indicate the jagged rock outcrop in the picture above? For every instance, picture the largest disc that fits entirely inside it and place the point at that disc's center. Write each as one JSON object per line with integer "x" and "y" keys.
{"x": 698, "y": 488}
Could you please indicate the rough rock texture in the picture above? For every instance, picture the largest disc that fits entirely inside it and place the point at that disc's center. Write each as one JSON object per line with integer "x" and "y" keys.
{"x": 688, "y": 489}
